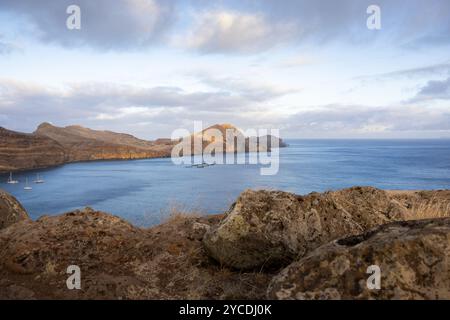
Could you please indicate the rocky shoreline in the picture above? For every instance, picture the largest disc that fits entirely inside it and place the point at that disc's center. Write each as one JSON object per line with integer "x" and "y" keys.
{"x": 269, "y": 245}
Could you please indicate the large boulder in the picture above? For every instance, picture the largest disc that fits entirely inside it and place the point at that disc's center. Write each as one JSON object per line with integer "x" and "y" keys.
{"x": 413, "y": 257}
{"x": 117, "y": 260}
{"x": 11, "y": 211}
{"x": 80, "y": 236}
{"x": 271, "y": 228}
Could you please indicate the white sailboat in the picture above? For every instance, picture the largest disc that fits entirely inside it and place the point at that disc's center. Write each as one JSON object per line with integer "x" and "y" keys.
{"x": 27, "y": 187}
{"x": 39, "y": 179}
{"x": 10, "y": 179}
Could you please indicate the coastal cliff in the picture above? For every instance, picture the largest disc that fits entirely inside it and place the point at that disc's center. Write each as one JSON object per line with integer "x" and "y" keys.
{"x": 82, "y": 144}
{"x": 20, "y": 151}
{"x": 319, "y": 246}
{"x": 50, "y": 145}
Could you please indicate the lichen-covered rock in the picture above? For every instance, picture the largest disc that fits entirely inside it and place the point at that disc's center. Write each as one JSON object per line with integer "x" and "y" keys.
{"x": 265, "y": 228}
{"x": 198, "y": 231}
{"x": 11, "y": 211}
{"x": 413, "y": 257}
{"x": 80, "y": 237}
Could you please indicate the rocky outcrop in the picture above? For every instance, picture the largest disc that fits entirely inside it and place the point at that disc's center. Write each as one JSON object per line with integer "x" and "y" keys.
{"x": 116, "y": 260}
{"x": 28, "y": 151}
{"x": 11, "y": 211}
{"x": 169, "y": 261}
{"x": 413, "y": 257}
{"x": 271, "y": 228}
{"x": 228, "y": 139}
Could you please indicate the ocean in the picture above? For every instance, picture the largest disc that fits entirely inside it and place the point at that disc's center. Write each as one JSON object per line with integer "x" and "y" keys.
{"x": 144, "y": 192}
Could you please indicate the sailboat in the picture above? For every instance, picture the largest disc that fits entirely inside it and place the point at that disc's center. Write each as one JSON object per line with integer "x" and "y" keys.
{"x": 203, "y": 164}
{"x": 27, "y": 187}
{"x": 39, "y": 179}
{"x": 10, "y": 179}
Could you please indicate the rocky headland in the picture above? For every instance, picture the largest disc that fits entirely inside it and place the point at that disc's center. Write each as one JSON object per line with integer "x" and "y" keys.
{"x": 269, "y": 245}
{"x": 50, "y": 145}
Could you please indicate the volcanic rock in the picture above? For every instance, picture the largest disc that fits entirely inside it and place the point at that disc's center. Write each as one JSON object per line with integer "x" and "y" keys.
{"x": 413, "y": 257}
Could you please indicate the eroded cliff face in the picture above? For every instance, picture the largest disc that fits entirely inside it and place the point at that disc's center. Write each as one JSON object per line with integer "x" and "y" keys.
{"x": 20, "y": 151}
{"x": 51, "y": 146}
{"x": 170, "y": 261}
{"x": 82, "y": 144}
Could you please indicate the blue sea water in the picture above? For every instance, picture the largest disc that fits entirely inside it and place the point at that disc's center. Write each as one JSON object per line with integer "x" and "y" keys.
{"x": 144, "y": 191}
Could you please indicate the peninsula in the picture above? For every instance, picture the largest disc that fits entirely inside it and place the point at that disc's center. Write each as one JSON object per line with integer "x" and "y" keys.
{"x": 50, "y": 145}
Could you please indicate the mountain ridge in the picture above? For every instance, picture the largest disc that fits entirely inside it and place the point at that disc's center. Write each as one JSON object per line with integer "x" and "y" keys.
{"x": 50, "y": 145}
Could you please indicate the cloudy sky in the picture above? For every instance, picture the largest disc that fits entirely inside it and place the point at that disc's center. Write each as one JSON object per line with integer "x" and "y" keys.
{"x": 147, "y": 67}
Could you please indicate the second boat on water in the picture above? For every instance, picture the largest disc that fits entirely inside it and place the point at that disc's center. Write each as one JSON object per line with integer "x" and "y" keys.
{"x": 10, "y": 179}
{"x": 27, "y": 187}
{"x": 39, "y": 179}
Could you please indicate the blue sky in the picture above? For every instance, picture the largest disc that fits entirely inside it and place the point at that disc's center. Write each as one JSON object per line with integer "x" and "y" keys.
{"x": 309, "y": 68}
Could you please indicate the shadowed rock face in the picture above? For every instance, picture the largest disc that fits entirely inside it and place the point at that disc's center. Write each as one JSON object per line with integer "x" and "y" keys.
{"x": 414, "y": 258}
{"x": 265, "y": 228}
{"x": 11, "y": 211}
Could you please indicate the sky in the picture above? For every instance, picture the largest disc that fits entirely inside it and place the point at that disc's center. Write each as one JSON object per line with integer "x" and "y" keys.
{"x": 312, "y": 69}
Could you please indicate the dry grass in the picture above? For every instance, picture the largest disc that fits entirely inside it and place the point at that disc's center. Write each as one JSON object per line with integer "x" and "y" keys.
{"x": 177, "y": 215}
{"x": 433, "y": 208}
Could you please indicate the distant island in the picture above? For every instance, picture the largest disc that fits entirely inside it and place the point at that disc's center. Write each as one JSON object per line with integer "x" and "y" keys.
{"x": 50, "y": 146}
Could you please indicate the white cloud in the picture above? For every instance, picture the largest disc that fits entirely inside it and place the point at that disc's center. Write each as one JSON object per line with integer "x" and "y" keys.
{"x": 233, "y": 26}
{"x": 232, "y": 31}
{"x": 360, "y": 121}
{"x": 154, "y": 112}
{"x": 252, "y": 89}
{"x": 26, "y": 105}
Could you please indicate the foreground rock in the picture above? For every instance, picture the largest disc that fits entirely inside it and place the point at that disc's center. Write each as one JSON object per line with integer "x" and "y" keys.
{"x": 169, "y": 261}
{"x": 117, "y": 260}
{"x": 414, "y": 258}
{"x": 11, "y": 211}
{"x": 271, "y": 228}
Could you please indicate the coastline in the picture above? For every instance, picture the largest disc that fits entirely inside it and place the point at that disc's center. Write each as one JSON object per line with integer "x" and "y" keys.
{"x": 79, "y": 161}
{"x": 51, "y": 146}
